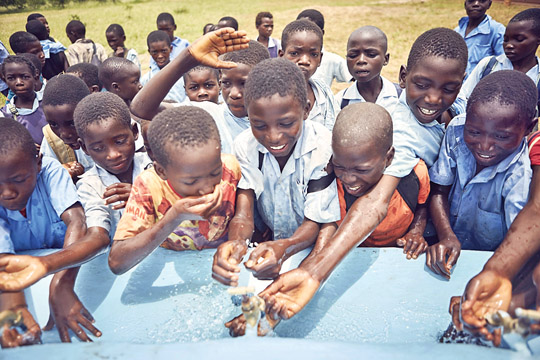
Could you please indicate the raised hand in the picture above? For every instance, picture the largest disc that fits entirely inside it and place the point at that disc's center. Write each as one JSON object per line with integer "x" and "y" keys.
{"x": 207, "y": 49}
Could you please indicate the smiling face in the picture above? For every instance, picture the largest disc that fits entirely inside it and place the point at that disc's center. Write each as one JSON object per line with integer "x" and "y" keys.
{"x": 60, "y": 118}
{"x": 129, "y": 84}
{"x": 232, "y": 88}
{"x": 366, "y": 55}
{"x": 520, "y": 42}
{"x": 35, "y": 48}
{"x": 114, "y": 40}
{"x": 18, "y": 176}
{"x": 160, "y": 52}
{"x": 476, "y": 9}
{"x": 266, "y": 27}
{"x": 304, "y": 49}
{"x": 20, "y": 79}
{"x": 431, "y": 86}
{"x": 202, "y": 86}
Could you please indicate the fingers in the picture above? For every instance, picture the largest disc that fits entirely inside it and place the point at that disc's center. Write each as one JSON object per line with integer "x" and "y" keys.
{"x": 50, "y": 324}
{"x": 452, "y": 259}
{"x": 454, "y": 312}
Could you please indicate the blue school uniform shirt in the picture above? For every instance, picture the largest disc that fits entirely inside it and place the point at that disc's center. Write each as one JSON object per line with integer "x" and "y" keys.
{"x": 234, "y": 124}
{"x": 484, "y": 40}
{"x": 325, "y": 109}
{"x": 282, "y": 197}
{"x": 4, "y": 53}
{"x": 42, "y": 227}
{"x": 177, "y": 93}
{"x": 482, "y": 206}
{"x": 413, "y": 140}
{"x": 387, "y": 98}
{"x": 178, "y": 45}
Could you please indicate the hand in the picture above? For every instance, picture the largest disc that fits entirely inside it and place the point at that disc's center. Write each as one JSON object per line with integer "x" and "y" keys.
{"x": 208, "y": 48}
{"x": 237, "y": 326}
{"x": 18, "y": 272}
{"x": 117, "y": 193}
{"x": 68, "y": 312}
{"x": 289, "y": 293}
{"x": 225, "y": 268}
{"x": 413, "y": 244}
{"x": 12, "y": 338}
{"x": 203, "y": 206}
{"x": 266, "y": 259}
{"x": 119, "y": 51}
{"x": 441, "y": 257}
{"x": 74, "y": 168}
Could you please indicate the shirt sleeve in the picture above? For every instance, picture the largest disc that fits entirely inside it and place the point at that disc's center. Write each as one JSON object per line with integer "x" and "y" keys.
{"x": 95, "y": 210}
{"x": 534, "y": 149}
{"x": 497, "y": 41}
{"x": 516, "y": 192}
{"x": 252, "y": 177}
{"x": 56, "y": 179}
{"x": 46, "y": 150}
{"x": 405, "y": 158}
{"x": 460, "y": 104}
{"x": 443, "y": 171}
{"x": 6, "y": 244}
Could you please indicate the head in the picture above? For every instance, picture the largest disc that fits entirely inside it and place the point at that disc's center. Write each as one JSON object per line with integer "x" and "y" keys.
{"x": 103, "y": 123}
{"x": 89, "y": 73}
{"x": 366, "y": 53}
{"x": 20, "y": 76}
{"x": 522, "y": 36}
{"x": 276, "y": 100}
{"x": 121, "y": 77}
{"x": 159, "y": 47}
{"x": 75, "y": 30}
{"x": 37, "y": 28}
{"x": 34, "y": 60}
{"x": 227, "y": 21}
{"x": 314, "y": 15}
{"x": 434, "y": 73}
{"x": 20, "y": 165}
{"x": 202, "y": 84}
{"x": 115, "y": 36}
{"x": 23, "y": 42}
{"x": 208, "y": 27}
{"x": 476, "y": 9}
{"x": 500, "y": 112}
{"x": 60, "y": 97}
{"x": 40, "y": 17}
{"x": 233, "y": 80}
{"x": 186, "y": 148}
{"x": 165, "y": 22}
{"x": 264, "y": 22}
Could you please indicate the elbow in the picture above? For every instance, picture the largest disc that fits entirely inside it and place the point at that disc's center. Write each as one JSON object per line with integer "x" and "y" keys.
{"x": 116, "y": 265}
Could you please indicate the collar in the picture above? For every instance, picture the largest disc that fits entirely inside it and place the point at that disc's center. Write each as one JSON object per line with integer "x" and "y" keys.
{"x": 35, "y": 105}
{"x": 482, "y": 28}
{"x": 388, "y": 90}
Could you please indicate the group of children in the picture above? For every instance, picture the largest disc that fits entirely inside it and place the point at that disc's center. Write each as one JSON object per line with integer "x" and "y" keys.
{"x": 225, "y": 147}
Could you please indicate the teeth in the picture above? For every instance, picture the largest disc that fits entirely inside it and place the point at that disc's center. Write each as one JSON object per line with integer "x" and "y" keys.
{"x": 277, "y": 147}
{"x": 353, "y": 188}
{"x": 485, "y": 156}
{"x": 427, "y": 111}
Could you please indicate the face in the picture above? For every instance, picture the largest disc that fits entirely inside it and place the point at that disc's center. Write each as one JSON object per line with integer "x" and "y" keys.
{"x": 160, "y": 52}
{"x": 18, "y": 175}
{"x": 193, "y": 170}
{"x": 60, "y": 118}
{"x": 36, "y": 49}
{"x": 360, "y": 167}
{"x": 366, "y": 55}
{"x": 45, "y": 22}
{"x": 202, "y": 86}
{"x": 304, "y": 49}
{"x": 519, "y": 41}
{"x": 476, "y": 9}
{"x": 20, "y": 79}
{"x": 276, "y": 123}
{"x": 266, "y": 27}
{"x": 432, "y": 85}
{"x": 168, "y": 28}
{"x": 115, "y": 41}
{"x": 493, "y": 135}
{"x": 111, "y": 145}
{"x": 129, "y": 86}
{"x": 232, "y": 88}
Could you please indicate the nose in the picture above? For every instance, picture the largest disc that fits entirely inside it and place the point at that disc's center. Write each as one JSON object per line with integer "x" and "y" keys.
{"x": 202, "y": 92}
{"x": 236, "y": 92}
{"x": 485, "y": 144}
{"x": 348, "y": 178}
{"x": 304, "y": 60}
{"x": 65, "y": 134}
{"x": 361, "y": 59}
{"x": 207, "y": 187}
{"x": 433, "y": 96}
{"x": 18, "y": 80}
{"x": 273, "y": 136}
{"x": 113, "y": 154}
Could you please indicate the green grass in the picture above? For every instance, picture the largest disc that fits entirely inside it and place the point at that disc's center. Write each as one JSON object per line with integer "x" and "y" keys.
{"x": 401, "y": 20}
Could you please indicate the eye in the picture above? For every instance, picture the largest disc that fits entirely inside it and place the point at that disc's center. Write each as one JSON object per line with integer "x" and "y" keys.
{"x": 315, "y": 54}
{"x": 189, "y": 183}
{"x": 502, "y": 137}
{"x": 449, "y": 90}
{"x": 352, "y": 55}
{"x": 98, "y": 148}
{"x": 226, "y": 83}
{"x": 259, "y": 127}
{"x": 193, "y": 87}
{"x": 472, "y": 132}
{"x": 210, "y": 85}
{"x": 287, "y": 125}
{"x": 216, "y": 173}
{"x": 421, "y": 86}
{"x": 53, "y": 124}
{"x": 120, "y": 141}
{"x": 293, "y": 53}
{"x": 372, "y": 54}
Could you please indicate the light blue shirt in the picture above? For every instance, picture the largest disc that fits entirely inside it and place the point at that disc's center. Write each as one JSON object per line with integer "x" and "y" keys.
{"x": 388, "y": 97}
{"x": 282, "y": 197}
{"x": 4, "y": 53}
{"x": 332, "y": 67}
{"x": 484, "y": 40}
{"x": 482, "y": 206}
{"x": 234, "y": 124}
{"x": 325, "y": 109}
{"x": 413, "y": 140}
{"x": 178, "y": 45}
{"x": 177, "y": 93}
{"x": 42, "y": 227}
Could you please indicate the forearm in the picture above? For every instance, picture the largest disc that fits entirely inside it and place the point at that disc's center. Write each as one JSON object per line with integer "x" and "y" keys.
{"x": 76, "y": 224}
{"x": 12, "y": 300}
{"x": 64, "y": 278}
{"x": 303, "y": 237}
{"x": 241, "y": 226}
{"x": 419, "y": 222}
{"x": 325, "y": 235}
{"x": 439, "y": 210}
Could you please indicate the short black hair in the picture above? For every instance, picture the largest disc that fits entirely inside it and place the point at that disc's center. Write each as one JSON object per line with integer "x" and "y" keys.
{"x": 314, "y": 15}
{"x": 157, "y": 35}
{"x": 37, "y": 28}
{"x": 21, "y": 60}
{"x": 533, "y": 15}
{"x": 201, "y": 68}
{"x": 507, "y": 87}
{"x": 19, "y": 41}
{"x": 254, "y": 54}
{"x": 208, "y": 27}
{"x": 89, "y": 73}
{"x": 34, "y": 16}
{"x": 64, "y": 89}
{"x": 115, "y": 28}
{"x": 34, "y": 60}
{"x": 98, "y": 107}
{"x": 232, "y": 22}
{"x": 275, "y": 76}
{"x": 76, "y": 27}
{"x": 261, "y": 15}
{"x": 182, "y": 126}
{"x": 113, "y": 69}
{"x": 299, "y": 26}
{"x": 165, "y": 17}
{"x": 440, "y": 42}
{"x": 14, "y": 136}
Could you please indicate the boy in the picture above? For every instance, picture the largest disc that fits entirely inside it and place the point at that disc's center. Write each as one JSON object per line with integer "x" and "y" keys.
{"x": 202, "y": 84}
{"x": 366, "y": 56}
{"x": 227, "y": 21}
{"x": 302, "y": 42}
{"x": 121, "y": 77}
{"x": 483, "y": 35}
{"x": 89, "y": 73}
{"x": 264, "y": 23}
{"x": 82, "y": 49}
{"x": 115, "y": 38}
{"x": 481, "y": 179}
{"x": 106, "y": 134}
{"x": 24, "y": 42}
{"x": 55, "y": 59}
{"x": 187, "y": 199}
{"x": 165, "y": 22}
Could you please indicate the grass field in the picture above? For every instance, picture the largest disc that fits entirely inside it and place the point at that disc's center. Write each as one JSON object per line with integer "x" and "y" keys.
{"x": 401, "y": 20}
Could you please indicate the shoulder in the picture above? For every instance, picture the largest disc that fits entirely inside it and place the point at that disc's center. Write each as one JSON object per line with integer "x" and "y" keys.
{"x": 231, "y": 164}
{"x": 316, "y": 136}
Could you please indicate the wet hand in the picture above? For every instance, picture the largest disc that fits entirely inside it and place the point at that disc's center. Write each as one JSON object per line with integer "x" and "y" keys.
{"x": 74, "y": 168}
{"x": 441, "y": 257}
{"x": 237, "y": 326}
{"x": 203, "y": 206}
{"x": 225, "y": 267}
{"x": 207, "y": 49}
{"x": 18, "y": 272}
{"x": 12, "y": 338}
{"x": 266, "y": 259}
{"x": 413, "y": 244}
{"x": 117, "y": 193}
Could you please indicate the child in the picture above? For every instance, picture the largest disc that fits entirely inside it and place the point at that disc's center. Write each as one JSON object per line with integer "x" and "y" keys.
{"x": 159, "y": 47}
{"x": 202, "y": 84}
{"x": 190, "y": 180}
{"x": 481, "y": 179}
{"x": 483, "y": 35}
{"x": 121, "y": 77}
{"x": 208, "y": 27}
{"x": 302, "y": 42}
{"x": 227, "y": 21}
{"x": 362, "y": 149}
{"x": 264, "y": 23}
{"x": 4, "y": 53}
{"x": 89, "y": 73}
{"x": 165, "y": 22}
{"x": 283, "y": 160}
{"x": 82, "y": 49}
{"x": 22, "y": 42}
{"x": 366, "y": 56}
{"x": 521, "y": 40}
{"x": 116, "y": 38}
{"x": 55, "y": 59}
{"x": 25, "y": 107}
{"x": 106, "y": 134}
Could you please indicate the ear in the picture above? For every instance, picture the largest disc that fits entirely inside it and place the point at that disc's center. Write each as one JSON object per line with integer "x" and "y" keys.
{"x": 280, "y": 53}
{"x": 306, "y": 110}
{"x": 94, "y": 89}
{"x": 402, "y": 76}
{"x": 160, "y": 170}
{"x": 114, "y": 86}
{"x": 320, "y": 58}
{"x": 83, "y": 146}
{"x": 124, "y": 38}
{"x": 175, "y": 27}
{"x": 135, "y": 130}
{"x": 489, "y": 5}
{"x": 390, "y": 156}
{"x": 170, "y": 48}
{"x": 386, "y": 59}
{"x": 39, "y": 162}
{"x": 530, "y": 129}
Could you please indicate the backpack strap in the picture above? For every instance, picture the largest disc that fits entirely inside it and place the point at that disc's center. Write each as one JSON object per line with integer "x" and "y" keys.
{"x": 409, "y": 188}
{"x": 63, "y": 152}
{"x": 344, "y": 102}
{"x": 489, "y": 67}
{"x": 261, "y": 159}
{"x": 13, "y": 110}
